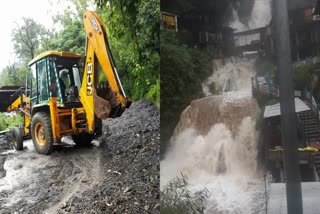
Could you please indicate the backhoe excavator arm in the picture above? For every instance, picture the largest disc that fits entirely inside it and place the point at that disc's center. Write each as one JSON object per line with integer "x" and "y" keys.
{"x": 98, "y": 51}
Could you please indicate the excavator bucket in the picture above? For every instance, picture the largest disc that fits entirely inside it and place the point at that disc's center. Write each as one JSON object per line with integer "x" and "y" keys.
{"x": 102, "y": 107}
{"x": 8, "y": 94}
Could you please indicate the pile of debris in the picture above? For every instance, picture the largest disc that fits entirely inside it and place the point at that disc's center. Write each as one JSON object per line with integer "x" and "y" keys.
{"x": 130, "y": 165}
{"x": 4, "y": 146}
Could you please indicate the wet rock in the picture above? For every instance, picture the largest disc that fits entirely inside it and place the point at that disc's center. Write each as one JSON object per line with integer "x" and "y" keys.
{"x": 128, "y": 189}
{"x": 18, "y": 166}
{"x": 6, "y": 142}
{"x": 63, "y": 206}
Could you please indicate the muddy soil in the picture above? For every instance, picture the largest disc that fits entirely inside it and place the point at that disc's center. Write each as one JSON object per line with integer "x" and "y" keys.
{"x": 119, "y": 173}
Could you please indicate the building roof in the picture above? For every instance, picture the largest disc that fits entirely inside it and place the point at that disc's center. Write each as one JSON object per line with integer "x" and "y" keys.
{"x": 249, "y": 32}
{"x": 166, "y": 13}
{"x": 56, "y": 53}
{"x": 274, "y": 110}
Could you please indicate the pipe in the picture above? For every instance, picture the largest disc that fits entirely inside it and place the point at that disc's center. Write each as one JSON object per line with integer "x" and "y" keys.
{"x": 287, "y": 108}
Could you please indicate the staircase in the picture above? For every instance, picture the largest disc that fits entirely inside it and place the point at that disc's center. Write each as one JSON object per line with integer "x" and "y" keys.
{"x": 311, "y": 127}
{"x": 317, "y": 163}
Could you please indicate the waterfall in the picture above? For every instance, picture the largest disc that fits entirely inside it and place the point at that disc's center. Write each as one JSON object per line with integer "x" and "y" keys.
{"x": 215, "y": 141}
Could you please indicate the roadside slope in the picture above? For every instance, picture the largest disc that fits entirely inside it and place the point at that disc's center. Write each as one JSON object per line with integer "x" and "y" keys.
{"x": 130, "y": 165}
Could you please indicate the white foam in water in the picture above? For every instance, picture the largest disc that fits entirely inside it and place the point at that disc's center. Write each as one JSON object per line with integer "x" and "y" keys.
{"x": 234, "y": 75}
{"x": 261, "y": 14}
{"x": 236, "y": 23}
{"x": 260, "y": 17}
{"x": 223, "y": 162}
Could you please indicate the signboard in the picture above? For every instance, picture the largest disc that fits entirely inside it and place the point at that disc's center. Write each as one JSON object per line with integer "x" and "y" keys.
{"x": 169, "y": 21}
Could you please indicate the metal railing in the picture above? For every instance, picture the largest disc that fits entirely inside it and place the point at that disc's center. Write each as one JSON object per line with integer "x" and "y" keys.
{"x": 310, "y": 60}
{"x": 315, "y": 172}
{"x": 301, "y": 129}
{"x": 314, "y": 105}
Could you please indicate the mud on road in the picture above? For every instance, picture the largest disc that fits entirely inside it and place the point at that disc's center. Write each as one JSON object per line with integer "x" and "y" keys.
{"x": 119, "y": 173}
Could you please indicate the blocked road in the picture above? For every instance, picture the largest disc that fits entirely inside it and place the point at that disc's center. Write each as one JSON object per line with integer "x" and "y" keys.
{"x": 119, "y": 173}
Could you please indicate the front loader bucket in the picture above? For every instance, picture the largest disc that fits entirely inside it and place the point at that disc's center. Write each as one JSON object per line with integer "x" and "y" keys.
{"x": 8, "y": 94}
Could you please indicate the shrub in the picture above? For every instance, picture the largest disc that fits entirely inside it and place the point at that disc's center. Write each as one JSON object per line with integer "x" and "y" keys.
{"x": 176, "y": 198}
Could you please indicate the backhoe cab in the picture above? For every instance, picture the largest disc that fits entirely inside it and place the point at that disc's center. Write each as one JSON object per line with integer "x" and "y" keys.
{"x": 66, "y": 97}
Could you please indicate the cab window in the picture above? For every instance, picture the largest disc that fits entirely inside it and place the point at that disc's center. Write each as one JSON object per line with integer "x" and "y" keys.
{"x": 33, "y": 81}
{"x": 43, "y": 88}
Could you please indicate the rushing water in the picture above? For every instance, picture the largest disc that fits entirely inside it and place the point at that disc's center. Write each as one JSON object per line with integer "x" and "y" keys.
{"x": 215, "y": 141}
{"x": 222, "y": 159}
{"x": 232, "y": 74}
{"x": 260, "y": 16}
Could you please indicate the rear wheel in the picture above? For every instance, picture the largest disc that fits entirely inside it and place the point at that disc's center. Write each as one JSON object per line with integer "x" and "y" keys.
{"x": 17, "y": 138}
{"x": 41, "y": 133}
{"x": 83, "y": 139}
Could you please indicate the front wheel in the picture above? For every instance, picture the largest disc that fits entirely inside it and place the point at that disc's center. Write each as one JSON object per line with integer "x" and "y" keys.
{"x": 41, "y": 133}
{"x": 17, "y": 138}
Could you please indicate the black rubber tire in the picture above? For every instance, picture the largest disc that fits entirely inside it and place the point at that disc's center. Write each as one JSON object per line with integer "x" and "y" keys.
{"x": 42, "y": 119}
{"x": 17, "y": 138}
{"x": 83, "y": 139}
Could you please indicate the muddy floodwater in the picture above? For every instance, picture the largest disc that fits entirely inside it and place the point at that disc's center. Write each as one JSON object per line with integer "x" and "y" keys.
{"x": 48, "y": 181}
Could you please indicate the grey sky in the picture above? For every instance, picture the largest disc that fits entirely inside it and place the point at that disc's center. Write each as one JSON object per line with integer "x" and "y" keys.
{"x": 39, "y": 10}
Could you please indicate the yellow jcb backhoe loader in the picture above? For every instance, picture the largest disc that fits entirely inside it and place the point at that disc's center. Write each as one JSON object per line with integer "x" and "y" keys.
{"x": 65, "y": 97}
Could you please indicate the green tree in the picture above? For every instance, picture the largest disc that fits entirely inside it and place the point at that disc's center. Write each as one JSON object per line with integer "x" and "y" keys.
{"x": 302, "y": 76}
{"x": 133, "y": 31}
{"x": 14, "y": 75}
{"x": 182, "y": 72}
{"x": 71, "y": 38}
{"x": 26, "y": 38}
{"x": 72, "y": 35}
{"x": 8, "y": 122}
{"x": 177, "y": 199}
{"x": 45, "y": 42}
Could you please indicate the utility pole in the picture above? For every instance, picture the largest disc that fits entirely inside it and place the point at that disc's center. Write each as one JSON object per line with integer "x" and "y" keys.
{"x": 287, "y": 107}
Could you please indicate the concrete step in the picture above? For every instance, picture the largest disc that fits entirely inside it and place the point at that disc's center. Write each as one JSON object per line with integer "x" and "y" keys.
{"x": 277, "y": 203}
{"x": 314, "y": 140}
{"x": 307, "y": 115}
{"x": 310, "y": 122}
{"x": 316, "y": 130}
{"x": 306, "y": 118}
{"x": 311, "y": 125}
{"x": 313, "y": 134}
{"x": 309, "y": 128}
{"x": 315, "y": 144}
